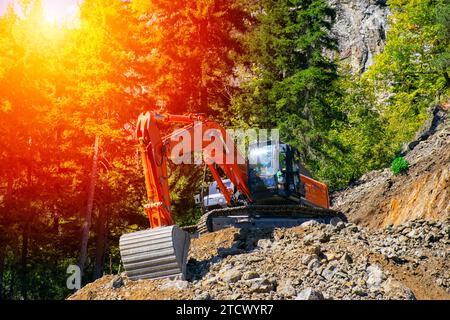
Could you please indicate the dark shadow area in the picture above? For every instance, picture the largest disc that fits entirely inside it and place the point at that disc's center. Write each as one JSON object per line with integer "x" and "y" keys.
{"x": 438, "y": 116}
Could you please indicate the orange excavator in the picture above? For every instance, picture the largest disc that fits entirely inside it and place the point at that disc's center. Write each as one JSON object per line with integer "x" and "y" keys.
{"x": 270, "y": 188}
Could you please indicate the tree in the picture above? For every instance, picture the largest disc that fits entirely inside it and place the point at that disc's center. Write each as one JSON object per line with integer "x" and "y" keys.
{"x": 290, "y": 76}
{"x": 60, "y": 90}
{"x": 412, "y": 72}
{"x": 191, "y": 48}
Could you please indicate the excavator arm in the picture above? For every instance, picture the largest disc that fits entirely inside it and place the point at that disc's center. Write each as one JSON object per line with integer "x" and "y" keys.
{"x": 156, "y": 150}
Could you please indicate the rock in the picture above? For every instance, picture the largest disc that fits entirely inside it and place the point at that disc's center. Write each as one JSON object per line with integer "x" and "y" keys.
{"x": 308, "y": 239}
{"x": 331, "y": 256}
{"x": 318, "y": 251}
{"x": 209, "y": 281}
{"x": 375, "y": 277}
{"x": 174, "y": 285}
{"x": 306, "y": 259}
{"x": 255, "y": 259}
{"x": 338, "y": 269}
{"x": 309, "y": 294}
{"x": 413, "y": 234}
{"x": 250, "y": 275}
{"x": 398, "y": 290}
{"x": 264, "y": 243}
{"x": 310, "y": 223}
{"x": 340, "y": 225}
{"x": 286, "y": 288}
{"x": 430, "y": 238}
{"x": 202, "y": 296}
{"x": 234, "y": 296}
{"x": 231, "y": 276}
{"x": 324, "y": 237}
{"x": 360, "y": 29}
{"x": 261, "y": 285}
{"x": 359, "y": 292}
{"x": 224, "y": 252}
{"x": 329, "y": 272}
{"x": 117, "y": 282}
{"x": 346, "y": 258}
{"x": 313, "y": 264}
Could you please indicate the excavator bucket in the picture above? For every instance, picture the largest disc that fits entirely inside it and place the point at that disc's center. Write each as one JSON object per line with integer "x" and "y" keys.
{"x": 155, "y": 253}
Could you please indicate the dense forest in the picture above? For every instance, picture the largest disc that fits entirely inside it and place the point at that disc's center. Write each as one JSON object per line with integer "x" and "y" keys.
{"x": 70, "y": 176}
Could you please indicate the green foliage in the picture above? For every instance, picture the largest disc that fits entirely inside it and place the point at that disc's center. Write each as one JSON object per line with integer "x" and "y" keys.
{"x": 399, "y": 165}
{"x": 291, "y": 79}
{"x": 412, "y": 72}
{"x": 358, "y": 144}
{"x": 343, "y": 124}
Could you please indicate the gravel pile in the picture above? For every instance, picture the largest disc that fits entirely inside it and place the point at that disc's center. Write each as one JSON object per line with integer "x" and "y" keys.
{"x": 313, "y": 261}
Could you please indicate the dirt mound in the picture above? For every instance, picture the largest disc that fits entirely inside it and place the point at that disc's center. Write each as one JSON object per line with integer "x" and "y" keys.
{"x": 379, "y": 198}
{"x": 312, "y": 261}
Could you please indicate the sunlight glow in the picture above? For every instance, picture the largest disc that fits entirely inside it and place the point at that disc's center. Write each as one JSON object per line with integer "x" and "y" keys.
{"x": 61, "y": 12}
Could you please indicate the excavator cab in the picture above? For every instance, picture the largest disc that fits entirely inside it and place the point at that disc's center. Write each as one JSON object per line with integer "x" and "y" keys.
{"x": 277, "y": 176}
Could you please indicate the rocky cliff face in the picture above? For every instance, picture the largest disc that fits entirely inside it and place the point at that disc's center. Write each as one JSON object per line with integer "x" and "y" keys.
{"x": 360, "y": 28}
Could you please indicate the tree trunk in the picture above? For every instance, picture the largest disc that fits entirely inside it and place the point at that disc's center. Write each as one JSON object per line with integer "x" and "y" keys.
{"x": 447, "y": 79}
{"x": 88, "y": 214}
{"x": 23, "y": 262}
{"x": 4, "y": 230}
{"x": 203, "y": 30}
{"x": 2, "y": 268}
{"x": 15, "y": 265}
{"x": 100, "y": 244}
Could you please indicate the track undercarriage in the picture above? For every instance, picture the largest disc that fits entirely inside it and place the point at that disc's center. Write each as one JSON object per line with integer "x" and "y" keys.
{"x": 260, "y": 216}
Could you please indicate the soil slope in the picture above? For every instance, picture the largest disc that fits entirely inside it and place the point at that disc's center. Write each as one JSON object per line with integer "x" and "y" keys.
{"x": 379, "y": 198}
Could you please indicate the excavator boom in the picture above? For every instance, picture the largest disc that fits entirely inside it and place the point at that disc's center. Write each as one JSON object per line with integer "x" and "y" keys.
{"x": 162, "y": 250}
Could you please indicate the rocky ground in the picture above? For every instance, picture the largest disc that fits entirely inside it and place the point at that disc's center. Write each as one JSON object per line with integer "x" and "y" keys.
{"x": 312, "y": 261}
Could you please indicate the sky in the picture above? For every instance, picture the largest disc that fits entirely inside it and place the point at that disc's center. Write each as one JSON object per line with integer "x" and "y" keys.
{"x": 54, "y": 10}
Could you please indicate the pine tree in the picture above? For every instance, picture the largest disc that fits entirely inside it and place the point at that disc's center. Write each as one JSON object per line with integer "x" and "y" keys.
{"x": 291, "y": 76}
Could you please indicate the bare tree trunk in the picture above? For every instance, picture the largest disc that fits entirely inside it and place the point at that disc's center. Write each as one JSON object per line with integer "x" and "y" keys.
{"x": 15, "y": 264}
{"x": 100, "y": 244}
{"x": 90, "y": 202}
{"x": 4, "y": 230}
{"x": 2, "y": 268}
{"x": 23, "y": 262}
{"x": 9, "y": 190}
{"x": 26, "y": 235}
{"x": 203, "y": 30}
